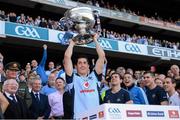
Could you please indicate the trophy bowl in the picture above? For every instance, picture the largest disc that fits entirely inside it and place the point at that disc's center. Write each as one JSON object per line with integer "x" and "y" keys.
{"x": 80, "y": 22}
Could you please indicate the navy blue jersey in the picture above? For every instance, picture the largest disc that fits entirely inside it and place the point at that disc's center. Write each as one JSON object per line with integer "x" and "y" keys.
{"x": 120, "y": 97}
{"x": 156, "y": 95}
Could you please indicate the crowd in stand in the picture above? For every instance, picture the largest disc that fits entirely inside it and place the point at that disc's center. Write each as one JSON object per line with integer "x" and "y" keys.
{"x": 112, "y": 6}
{"x": 36, "y": 93}
{"x": 52, "y": 24}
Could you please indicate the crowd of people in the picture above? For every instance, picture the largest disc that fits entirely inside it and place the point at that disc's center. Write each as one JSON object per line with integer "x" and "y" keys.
{"x": 111, "y": 34}
{"x": 65, "y": 91}
{"x": 113, "y": 6}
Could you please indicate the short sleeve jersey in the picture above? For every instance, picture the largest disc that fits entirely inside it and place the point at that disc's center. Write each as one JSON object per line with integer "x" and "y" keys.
{"x": 156, "y": 96}
{"x": 120, "y": 97}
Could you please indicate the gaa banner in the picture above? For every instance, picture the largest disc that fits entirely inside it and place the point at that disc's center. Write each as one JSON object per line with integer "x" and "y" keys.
{"x": 26, "y": 31}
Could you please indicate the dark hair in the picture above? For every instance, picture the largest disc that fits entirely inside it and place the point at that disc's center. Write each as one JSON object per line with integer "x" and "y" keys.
{"x": 172, "y": 79}
{"x": 177, "y": 85}
{"x": 129, "y": 74}
{"x": 81, "y": 56}
{"x": 149, "y": 72}
{"x": 117, "y": 74}
{"x": 60, "y": 78}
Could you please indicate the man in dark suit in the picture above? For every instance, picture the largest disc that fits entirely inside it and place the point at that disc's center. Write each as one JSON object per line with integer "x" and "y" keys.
{"x": 39, "y": 108}
{"x": 17, "y": 108}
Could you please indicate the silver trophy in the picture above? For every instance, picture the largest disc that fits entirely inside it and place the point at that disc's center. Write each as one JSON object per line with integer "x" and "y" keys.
{"x": 80, "y": 24}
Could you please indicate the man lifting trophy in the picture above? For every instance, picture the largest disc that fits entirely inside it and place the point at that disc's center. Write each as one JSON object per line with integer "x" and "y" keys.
{"x": 80, "y": 24}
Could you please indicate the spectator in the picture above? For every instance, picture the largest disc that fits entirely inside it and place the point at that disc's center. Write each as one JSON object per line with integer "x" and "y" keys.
{"x": 21, "y": 19}
{"x": 37, "y": 21}
{"x": 50, "y": 68}
{"x": 121, "y": 71}
{"x": 11, "y": 70}
{"x": 40, "y": 69}
{"x": 175, "y": 71}
{"x": 43, "y": 23}
{"x": 169, "y": 86}
{"x": 22, "y": 85}
{"x": 50, "y": 87}
{"x": 27, "y": 70}
{"x": 155, "y": 94}
{"x": 56, "y": 100}
{"x": 159, "y": 82}
{"x": 84, "y": 83}
{"x": 137, "y": 94}
{"x": 169, "y": 73}
{"x": 17, "y": 108}
{"x": 2, "y": 15}
{"x": 12, "y": 17}
{"x": 178, "y": 87}
{"x": 39, "y": 108}
{"x": 34, "y": 65}
{"x": 116, "y": 94}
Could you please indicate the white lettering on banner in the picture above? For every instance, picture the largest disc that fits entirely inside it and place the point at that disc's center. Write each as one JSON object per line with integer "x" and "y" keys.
{"x": 105, "y": 44}
{"x": 26, "y": 31}
{"x": 166, "y": 53}
{"x": 158, "y": 52}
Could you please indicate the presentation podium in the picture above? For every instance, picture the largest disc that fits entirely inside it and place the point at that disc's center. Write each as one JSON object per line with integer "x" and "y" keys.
{"x": 132, "y": 112}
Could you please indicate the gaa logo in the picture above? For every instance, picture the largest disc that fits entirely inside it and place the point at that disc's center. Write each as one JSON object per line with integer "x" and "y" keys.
{"x": 114, "y": 110}
{"x": 132, "y": 48}
{"x": 27, "y": 31}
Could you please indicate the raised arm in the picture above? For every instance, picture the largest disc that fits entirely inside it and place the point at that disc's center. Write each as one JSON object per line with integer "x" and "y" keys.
{"x": 3, "y": 102}
{"x": 41, "y": 67}
{"x": 1, "y": 57}
{"x": 68, "y": 65}
{"x": 101, "y": 56}
{"x": 44, "y": 57}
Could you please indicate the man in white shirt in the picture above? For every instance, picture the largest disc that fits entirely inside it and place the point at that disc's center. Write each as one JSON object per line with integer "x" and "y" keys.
{"x": 169, "y": 86}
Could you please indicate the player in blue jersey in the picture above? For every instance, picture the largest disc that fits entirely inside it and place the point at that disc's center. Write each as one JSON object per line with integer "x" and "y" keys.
{"x": 84, "y": 84}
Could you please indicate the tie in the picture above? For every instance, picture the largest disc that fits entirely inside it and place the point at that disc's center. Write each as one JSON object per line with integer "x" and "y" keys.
{"x": 37, "y": 97}
{"x": 13, "y": 98}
